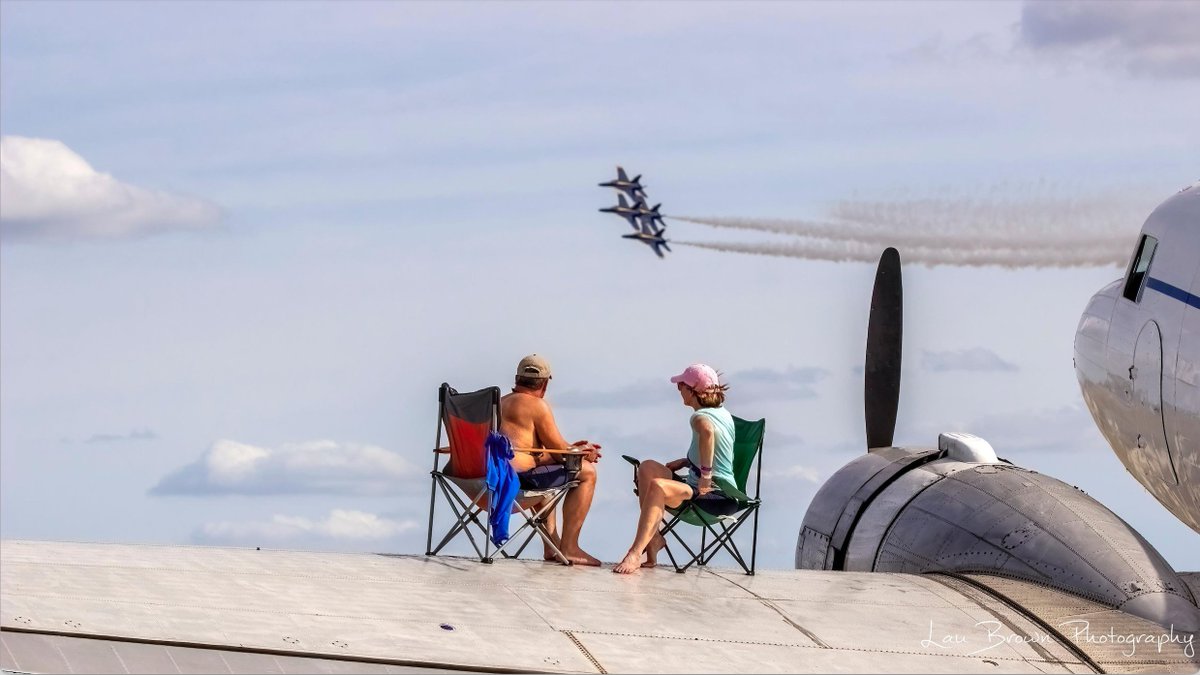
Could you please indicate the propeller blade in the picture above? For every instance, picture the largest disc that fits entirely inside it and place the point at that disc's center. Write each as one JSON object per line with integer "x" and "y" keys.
{"x": 885, "y": 330}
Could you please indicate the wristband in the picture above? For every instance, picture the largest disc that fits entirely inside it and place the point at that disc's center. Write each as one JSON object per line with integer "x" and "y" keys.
{"x": 706, "y": 469}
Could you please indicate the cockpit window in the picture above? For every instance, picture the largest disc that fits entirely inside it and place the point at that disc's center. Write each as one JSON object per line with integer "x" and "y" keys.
{"x": 1138, "y": 268}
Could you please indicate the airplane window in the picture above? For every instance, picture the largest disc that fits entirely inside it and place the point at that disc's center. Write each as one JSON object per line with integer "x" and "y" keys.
{"x": 1139, "y": 266}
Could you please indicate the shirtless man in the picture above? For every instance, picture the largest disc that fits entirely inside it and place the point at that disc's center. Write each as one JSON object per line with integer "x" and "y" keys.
{"x": 528, "y": 421}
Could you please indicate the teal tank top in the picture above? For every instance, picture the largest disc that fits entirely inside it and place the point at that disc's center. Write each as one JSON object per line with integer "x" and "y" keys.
{"x": 722, "y": 466}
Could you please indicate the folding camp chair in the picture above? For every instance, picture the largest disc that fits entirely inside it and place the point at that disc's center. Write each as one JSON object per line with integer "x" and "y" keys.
{"x": 467, "y": 418}
{"x": 747, "y": 446}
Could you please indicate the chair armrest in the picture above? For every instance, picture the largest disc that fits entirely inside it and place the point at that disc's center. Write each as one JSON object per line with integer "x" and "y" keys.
{"x": 553, "y": 451}
{"x": 442, "y": 451}
{"x": 635, "y": 462}
{"x": 571, "y": 459}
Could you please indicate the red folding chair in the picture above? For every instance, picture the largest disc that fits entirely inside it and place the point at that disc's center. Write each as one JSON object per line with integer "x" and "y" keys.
{"x": 467, "y": 418}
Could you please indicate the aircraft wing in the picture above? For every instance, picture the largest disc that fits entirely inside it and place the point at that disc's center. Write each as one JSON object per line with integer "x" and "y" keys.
{"x": 73, "y": 607}
{"x": 647, "y": 226}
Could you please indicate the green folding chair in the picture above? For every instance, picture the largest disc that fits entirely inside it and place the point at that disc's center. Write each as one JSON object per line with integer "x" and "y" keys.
{"x": 747, "y": 447}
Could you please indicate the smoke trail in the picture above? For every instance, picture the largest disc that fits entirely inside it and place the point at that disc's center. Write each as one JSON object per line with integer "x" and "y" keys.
{"x": 868, "y": 251}
{"x": 1031, "y": 227}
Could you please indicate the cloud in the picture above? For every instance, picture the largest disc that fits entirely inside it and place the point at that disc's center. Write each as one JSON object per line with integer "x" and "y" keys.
{"x": 977, "y": 359}
{"x": 340, "y": 524}
{"x": 806, "y": 473}
{"x": 788, "y": 384}
{"x": 1065, "y": 429}
{"x": 135, "y": 435}
{"x": 1157, "y": 39}
{"x": 779, "y": 438}
{"x": 755, "y": 384}
{"x": 313, "y": 467}
{"x": 53, "y": 194}
{"x": 636, "y": 395}
{"x": 1017, "y": 435}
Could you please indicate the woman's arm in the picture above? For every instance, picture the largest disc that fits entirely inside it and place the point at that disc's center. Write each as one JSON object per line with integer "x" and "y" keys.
{"x": 707, "y": 438}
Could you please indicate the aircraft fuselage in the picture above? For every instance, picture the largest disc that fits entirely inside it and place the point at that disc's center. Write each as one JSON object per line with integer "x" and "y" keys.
{"x": 1137, "y": 358}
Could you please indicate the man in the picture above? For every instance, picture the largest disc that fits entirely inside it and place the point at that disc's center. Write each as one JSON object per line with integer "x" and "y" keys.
{"x": 528, "y": 421}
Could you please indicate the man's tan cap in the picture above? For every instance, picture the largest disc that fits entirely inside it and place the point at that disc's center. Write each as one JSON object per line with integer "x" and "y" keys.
{"x": 534, "y": 366}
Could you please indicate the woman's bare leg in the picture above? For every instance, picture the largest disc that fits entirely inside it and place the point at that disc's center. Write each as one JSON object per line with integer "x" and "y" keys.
{"x": 657, "y": 491}
{"x": 656, "y": 544}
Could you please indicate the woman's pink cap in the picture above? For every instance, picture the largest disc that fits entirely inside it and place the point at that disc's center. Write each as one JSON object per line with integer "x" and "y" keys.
{"x": 698, "y": 376}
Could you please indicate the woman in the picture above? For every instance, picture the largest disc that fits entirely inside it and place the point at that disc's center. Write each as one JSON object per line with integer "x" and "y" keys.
{"x": 710, "y": 460}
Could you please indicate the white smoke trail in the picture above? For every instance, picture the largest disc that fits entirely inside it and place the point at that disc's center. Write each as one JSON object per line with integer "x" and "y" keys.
{"x": 1031, "y": 227}
{"x": 868, "y": 251}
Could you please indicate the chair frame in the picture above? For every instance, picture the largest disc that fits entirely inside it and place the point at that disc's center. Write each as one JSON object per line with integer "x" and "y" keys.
{"x": 465, "y": 494}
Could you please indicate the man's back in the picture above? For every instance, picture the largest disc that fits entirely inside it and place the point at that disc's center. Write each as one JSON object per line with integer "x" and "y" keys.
{"x": 521, "y": 415}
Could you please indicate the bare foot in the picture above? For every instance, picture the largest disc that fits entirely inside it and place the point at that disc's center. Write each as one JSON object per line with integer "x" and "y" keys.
{"x": 580, "y": 557}
{"x": 548, "y": 553}
{"x": 629, "y": 564}
{"x": 652, "y": 555}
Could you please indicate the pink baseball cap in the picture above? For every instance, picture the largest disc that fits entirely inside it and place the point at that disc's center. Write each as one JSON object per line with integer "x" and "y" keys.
{"x": 698, "y": 376}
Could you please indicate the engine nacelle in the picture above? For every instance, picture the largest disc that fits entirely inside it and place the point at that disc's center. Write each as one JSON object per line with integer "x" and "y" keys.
{"x": 961, "y": 509}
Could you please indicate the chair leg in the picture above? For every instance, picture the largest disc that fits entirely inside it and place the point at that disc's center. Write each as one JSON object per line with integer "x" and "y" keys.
{"x": 461, "y": 518}
{"x": 487, "y": 542}
{"x": 535, "y": 521}
{"x": 724, "y": 540}
{"x": 432, "y": 502}
{"x": 466, "y": 515}
{"x": 754, "y": 541}
{"x": 669, "y": 528}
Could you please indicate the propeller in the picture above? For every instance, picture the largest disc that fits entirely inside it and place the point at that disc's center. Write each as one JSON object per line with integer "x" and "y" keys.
{"x": 885, "y": 330}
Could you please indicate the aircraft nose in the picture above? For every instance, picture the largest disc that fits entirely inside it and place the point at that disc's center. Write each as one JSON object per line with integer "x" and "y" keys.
{"x": 1091, "y": 338}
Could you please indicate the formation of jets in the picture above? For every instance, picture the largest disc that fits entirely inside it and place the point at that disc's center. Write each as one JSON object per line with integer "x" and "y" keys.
{"x": 646, "y": 222}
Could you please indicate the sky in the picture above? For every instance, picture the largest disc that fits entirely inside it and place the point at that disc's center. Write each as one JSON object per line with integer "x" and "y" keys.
{"x": 242, "y": 244}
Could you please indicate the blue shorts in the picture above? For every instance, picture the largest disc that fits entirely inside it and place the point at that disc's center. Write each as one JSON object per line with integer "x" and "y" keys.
{"x": 715, "y": 503}
{"x": 544, "y": 477}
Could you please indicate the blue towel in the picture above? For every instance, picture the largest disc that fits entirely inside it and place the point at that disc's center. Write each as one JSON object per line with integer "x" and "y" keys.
{"x": 502, "y": 485}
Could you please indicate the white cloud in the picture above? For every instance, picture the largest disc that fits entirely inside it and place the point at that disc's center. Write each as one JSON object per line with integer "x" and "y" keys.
{"x": 756, "y": 384}
{"x": 977, "y": 359}
{"x": 1020, "y": 435}
{"x": 135, "y": 435}
{"x": 340, "y": 524}
{"x": 312, "y": 467}
{"x": 51, "y": 193}
{"x": 800, "y": 471}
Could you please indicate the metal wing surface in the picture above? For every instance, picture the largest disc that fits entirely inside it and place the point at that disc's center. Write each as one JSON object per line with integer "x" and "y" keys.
{"x": 72, "y": 607}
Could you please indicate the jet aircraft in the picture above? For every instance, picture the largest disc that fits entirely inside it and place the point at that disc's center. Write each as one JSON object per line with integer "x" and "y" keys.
{"x": 626, "y": 211}
{"x": 633, "y": 188}
{"x": 651, "y": 216}
{"x": 651, "y": 237}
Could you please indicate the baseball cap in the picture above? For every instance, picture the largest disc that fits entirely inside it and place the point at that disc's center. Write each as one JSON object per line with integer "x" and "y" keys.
{"x": 698, "y": 376}
{"x": 534, "y": 366}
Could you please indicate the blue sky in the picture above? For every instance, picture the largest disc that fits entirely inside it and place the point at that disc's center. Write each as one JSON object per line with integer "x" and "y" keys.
{"x": 299, "y": 219}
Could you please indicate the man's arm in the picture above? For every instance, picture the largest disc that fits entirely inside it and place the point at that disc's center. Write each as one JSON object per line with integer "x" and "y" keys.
{"x": 548, "y": 436}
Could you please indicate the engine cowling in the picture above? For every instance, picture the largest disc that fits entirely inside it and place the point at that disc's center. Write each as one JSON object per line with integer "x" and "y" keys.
{"x": 959, "y": 508}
